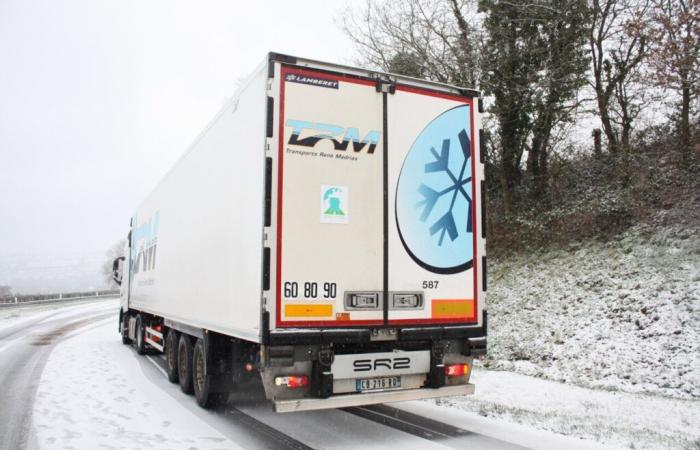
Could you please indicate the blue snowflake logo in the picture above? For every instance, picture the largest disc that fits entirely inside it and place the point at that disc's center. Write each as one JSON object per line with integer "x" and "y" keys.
{"x": 446, "y": 223}
{"x": 433, "y": 196}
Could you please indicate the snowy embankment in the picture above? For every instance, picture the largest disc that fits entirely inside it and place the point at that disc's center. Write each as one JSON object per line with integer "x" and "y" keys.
{"x": 616, "y": 419}
{"x": 612, "y": 331}
{"x": 620, "y": 315}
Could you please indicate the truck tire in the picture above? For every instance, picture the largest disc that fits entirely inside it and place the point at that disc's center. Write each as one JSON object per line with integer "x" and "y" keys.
{"x": 125, "y": 329}
{"x": 140, "y": 342}
{"x": 171, "y": 350}
{"x": 184, "y": 364}
{"x": 204, "y": 380}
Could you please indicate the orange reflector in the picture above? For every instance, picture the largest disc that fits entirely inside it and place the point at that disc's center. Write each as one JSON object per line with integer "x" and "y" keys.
{"x": 456, "y": 370}
{"x": 292, "y": 381}
{"x": 308, "y": 310}
{"x": 452, "y": 308}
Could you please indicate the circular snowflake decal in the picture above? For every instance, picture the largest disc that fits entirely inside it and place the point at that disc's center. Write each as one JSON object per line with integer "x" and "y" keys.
{"x": 433, "y": 196}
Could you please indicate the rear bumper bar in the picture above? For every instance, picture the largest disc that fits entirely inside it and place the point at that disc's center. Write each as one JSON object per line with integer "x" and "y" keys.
{"x": 300, "y": 336}
{"x": 370, "y": 398}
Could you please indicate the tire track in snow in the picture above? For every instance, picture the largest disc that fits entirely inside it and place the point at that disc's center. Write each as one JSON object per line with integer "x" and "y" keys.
{"x": 429, "y": 429}
{"x": 272, "y": 438}
{"x": 21, "y": 367}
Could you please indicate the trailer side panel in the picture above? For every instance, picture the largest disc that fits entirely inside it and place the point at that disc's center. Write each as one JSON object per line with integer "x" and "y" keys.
{"x": 196, "y": 249}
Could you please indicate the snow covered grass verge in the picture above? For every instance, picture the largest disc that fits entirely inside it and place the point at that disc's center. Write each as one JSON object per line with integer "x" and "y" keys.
{"x": 617, "y": 419}
{"x": 93, "y": 394}
{"x": 621, "y": 315}
{"x": 17, "y": 315}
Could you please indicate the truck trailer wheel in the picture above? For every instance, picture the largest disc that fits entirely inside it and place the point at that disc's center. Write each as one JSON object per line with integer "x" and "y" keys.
{"x": 204, "y": 380}
{"x": 140, "y": 343}
{"x": 184, "y": 364}
{"x": 125, "y": 330}
{"x": 171, "y": 350}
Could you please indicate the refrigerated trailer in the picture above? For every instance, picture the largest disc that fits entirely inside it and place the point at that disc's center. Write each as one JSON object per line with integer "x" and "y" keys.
{"x": 324, "y": 234}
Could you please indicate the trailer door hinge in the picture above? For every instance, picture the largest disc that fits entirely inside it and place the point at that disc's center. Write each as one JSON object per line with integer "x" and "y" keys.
{"x": 386, "y": 86}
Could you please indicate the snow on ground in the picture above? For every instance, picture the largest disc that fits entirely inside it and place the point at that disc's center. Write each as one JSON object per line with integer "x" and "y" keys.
{"x": 18, "y": 314}
{"x": 618, "y": 315}
{"x": 608, "y": 331}
{"x": 618, "y": 419}
{"x": 93, "y": 394}
{"x": 496, "y": 427}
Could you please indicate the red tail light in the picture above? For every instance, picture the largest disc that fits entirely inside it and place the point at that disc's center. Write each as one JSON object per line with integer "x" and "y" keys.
{"x": 456, "y": 370}
{"x": 292, "y": 381}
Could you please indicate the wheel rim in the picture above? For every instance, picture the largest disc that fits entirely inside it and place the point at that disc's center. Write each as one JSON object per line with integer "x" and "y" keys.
{"x": 199, "y": 371}
{"x": 170, "y": 357}
{"x": 182, "y": 363}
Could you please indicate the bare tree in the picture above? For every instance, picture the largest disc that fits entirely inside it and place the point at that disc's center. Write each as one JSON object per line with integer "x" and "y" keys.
{"x": 434, "y": 39}
{"x": 618, "y": 47}
{"x": 530, "y": 56}
{"x": 5, "y": 293}
{"x": 675, "y": 58}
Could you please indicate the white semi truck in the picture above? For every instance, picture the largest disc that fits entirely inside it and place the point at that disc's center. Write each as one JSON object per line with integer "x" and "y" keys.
{"x": 324, "y": 233}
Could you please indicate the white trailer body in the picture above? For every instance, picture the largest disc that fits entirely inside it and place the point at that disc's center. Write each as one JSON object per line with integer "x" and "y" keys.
{"x": 328, "y": 225}
{"x": 196, "y": 241}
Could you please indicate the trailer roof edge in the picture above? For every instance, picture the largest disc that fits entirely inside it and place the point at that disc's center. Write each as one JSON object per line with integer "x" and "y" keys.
{"x": 418, "y": 82}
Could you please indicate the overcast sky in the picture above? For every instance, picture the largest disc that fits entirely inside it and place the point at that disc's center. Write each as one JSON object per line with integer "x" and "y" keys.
{"x": 99, "y": 98}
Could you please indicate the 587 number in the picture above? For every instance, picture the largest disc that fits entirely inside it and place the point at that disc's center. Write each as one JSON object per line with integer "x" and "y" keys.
{"x": 309, "y": 289}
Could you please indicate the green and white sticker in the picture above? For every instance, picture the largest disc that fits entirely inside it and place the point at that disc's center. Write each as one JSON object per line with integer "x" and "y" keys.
{"x": 335, "y": 204}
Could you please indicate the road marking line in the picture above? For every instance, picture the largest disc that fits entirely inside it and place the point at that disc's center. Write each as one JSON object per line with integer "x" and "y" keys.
{"x": 157, "y": 366}
{"x": 9, "y": 344}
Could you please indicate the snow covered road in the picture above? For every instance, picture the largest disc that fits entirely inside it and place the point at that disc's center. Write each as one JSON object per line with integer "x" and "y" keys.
{"x": 70, "y": 383}
{"x": 25, "y": 345}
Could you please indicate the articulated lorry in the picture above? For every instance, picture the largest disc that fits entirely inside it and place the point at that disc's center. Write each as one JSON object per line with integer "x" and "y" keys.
{"x": 324, "y": 235}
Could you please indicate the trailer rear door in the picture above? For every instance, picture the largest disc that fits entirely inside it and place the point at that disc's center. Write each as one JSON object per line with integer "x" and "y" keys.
{"x": 375, "y": 210}
{"x": 329, "y": 200}
{"x": 432, "y": 213}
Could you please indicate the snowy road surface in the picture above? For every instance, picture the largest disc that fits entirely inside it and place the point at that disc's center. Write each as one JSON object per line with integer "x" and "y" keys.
{"x": 68, "y": 382}
{"x": 25, "y": 346}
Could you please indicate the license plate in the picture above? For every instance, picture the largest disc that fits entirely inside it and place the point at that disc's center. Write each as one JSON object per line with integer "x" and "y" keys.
{"x": 375, "y": 384}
